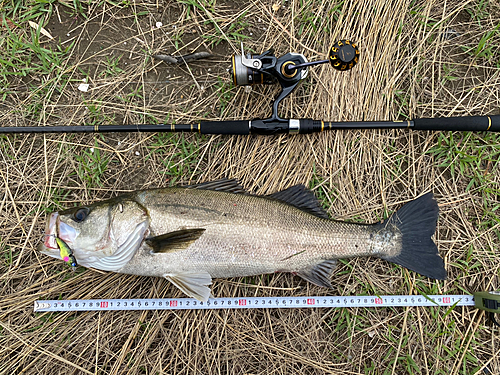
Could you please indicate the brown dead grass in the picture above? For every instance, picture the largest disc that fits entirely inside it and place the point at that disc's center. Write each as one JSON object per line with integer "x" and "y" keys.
{"x": 361, "y": 175}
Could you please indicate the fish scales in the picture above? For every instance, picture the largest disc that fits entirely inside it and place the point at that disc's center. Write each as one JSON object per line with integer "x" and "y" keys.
{"x": 190, "y": 235}
{"x": 245, "y": 234}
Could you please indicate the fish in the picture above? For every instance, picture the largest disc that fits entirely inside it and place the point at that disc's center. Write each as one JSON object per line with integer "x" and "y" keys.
{"x": 193, "y": 234}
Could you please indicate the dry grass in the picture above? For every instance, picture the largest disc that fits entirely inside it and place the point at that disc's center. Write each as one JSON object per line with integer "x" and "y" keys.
{"x": 408, "y": 68}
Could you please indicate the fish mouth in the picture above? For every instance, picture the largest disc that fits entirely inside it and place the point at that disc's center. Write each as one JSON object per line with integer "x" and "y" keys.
{"x": 49, "y": 245}
{"x": 56, "y": 228}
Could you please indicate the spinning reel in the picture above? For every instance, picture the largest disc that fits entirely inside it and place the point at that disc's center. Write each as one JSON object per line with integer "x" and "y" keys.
{"x": 287, "y": 70}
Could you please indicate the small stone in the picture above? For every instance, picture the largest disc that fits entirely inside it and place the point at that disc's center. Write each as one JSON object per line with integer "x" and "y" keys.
{"x": 84, "y": 87}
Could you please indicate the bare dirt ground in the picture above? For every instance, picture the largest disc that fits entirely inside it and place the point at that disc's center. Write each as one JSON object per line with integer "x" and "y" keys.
{"x": 418, "y": 59}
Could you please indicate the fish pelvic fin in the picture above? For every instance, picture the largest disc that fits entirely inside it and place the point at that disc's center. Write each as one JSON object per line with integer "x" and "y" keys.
{"x": 319, "y": 274}
{"x": 301, "y": 198}
{"x": 417, "y": 221}
{"x": 194, "y": 284}
{"x": 174, "y": 241}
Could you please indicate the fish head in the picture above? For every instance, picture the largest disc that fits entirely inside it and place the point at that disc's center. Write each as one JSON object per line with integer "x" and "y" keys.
{"x": 104, "y": 235}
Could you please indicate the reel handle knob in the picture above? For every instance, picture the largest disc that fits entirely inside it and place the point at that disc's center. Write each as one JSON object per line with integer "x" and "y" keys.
{"x": 344, "y": 55}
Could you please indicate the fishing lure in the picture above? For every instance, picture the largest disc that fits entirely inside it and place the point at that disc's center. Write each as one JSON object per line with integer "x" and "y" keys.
{"x": 66, "y": 253}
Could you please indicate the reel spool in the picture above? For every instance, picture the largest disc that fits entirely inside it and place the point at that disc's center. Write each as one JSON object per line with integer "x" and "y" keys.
{"x": 245, "y": 76}
{"x": 288, "y": 70}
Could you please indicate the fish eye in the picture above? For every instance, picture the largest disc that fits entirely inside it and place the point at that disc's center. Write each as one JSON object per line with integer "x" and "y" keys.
{"x": 81, "y": 214}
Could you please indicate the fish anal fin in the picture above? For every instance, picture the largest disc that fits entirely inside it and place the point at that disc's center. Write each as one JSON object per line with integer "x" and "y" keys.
{"x": 174, "y": 241}
{"x": 319, "y": 274}
{"x": 193, "y": 284}
{"x": 298, "y": 196}
{"x": 224, "y": 184}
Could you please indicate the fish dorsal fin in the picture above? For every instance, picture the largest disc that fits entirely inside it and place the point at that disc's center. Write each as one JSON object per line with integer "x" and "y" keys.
{"x": 224, "y": 184}
{"x": 301, "y": 198}
{"x": 194, "y": 284}
{"x": 320, "y": 274}
{"x": 173, "y": 241}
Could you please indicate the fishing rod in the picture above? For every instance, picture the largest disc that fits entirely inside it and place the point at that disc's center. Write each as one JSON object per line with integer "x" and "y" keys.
{"x": 288, "y": 70}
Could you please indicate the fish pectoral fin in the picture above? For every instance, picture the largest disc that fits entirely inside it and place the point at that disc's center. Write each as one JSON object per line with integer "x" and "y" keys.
{"x": 194, "y": 284}
{"x": 174, "y": 241}
{"x": 298, "y": 196}
{"x": 320, "y": 274}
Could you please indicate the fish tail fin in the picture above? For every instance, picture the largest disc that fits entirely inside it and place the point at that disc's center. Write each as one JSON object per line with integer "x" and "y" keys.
{"x": 417, "y": 221}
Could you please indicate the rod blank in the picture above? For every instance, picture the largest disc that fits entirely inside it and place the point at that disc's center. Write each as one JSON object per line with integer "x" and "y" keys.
{"x": 276, "y": 126}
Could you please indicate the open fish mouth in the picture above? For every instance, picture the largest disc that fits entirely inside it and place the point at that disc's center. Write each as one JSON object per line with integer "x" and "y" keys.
{"x": 56, "y": 228}
{"x": 49, "y": 243}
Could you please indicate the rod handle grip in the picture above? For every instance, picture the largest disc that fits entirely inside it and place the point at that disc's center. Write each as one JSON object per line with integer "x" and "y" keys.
{"x": 468, "y": 123}
{"x": 225, "y": 127}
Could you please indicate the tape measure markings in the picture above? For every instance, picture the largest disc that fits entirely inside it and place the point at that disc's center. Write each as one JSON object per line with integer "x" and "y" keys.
{"x": 252, "y": 303}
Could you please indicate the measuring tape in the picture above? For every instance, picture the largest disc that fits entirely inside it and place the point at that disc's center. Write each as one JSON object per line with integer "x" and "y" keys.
{"x": 266, "y": 302}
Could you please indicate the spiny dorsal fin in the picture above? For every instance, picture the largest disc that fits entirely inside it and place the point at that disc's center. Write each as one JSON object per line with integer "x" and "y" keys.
{"x": 301, "y": 198}
{"x": 194, "y": 284}
{"x": 320, "y": 274}
{"x": 224, "y": 184}
{"x": 173, "y": 241}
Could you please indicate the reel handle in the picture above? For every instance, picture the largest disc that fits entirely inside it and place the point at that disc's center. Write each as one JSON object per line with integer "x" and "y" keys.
{"x": 343, "y": 55}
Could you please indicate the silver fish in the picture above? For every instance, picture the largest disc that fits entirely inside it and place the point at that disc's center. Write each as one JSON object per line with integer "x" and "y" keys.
{"x": 190, "y": 235}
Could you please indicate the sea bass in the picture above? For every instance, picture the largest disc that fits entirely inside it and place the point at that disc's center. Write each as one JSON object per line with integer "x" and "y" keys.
{"x": 192, "y": 234}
